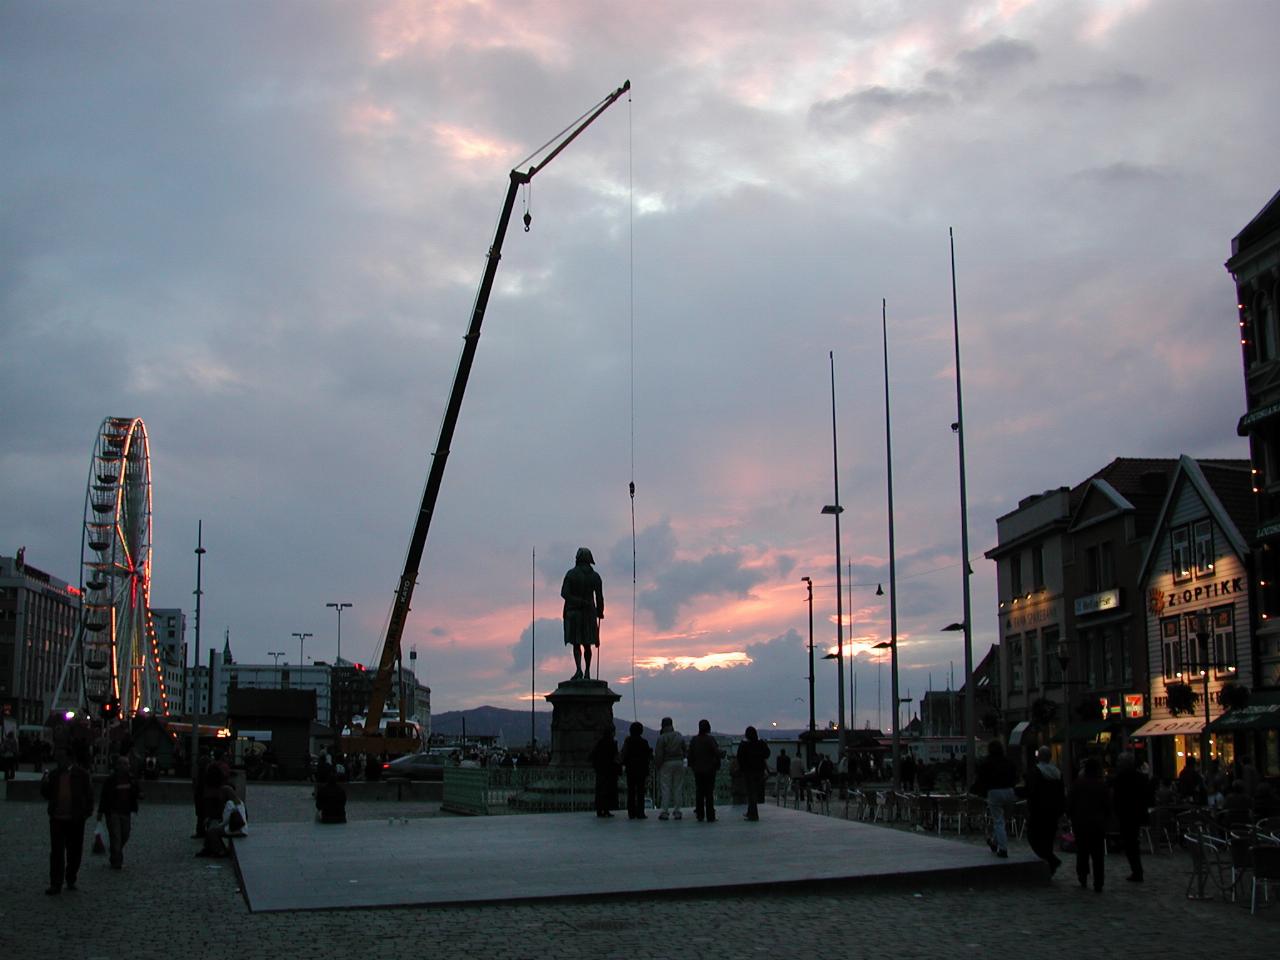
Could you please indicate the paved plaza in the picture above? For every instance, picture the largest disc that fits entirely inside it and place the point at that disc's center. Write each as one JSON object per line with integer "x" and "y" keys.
{"x": 169, "y": 903}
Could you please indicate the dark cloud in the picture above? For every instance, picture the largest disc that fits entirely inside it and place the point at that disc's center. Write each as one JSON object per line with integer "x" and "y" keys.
{"x": 1117, "y": 85}
{"x": 550, "y": 645}
{"x": 875, "y": 103}
{"x": 997, "y": 56}
{"x": 681, "y": 582}
{"x": 1123, "y": 173}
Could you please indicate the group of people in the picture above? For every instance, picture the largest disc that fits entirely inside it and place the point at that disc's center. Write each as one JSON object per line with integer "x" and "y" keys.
{"x": 68, "y": 792}
{"x": 703, "y": 756}
{"x": 1090, "y": 805}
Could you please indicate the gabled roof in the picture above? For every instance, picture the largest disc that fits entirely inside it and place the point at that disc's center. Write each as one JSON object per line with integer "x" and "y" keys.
{"x": 1267, "y": 219}
{"x": 1229, "y": 476}
{"x": 1113, "y": 503}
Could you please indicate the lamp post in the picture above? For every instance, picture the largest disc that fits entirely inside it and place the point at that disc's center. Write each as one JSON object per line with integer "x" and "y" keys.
{"x": 276, "y": 664}
{"x": 1204, "y": 633}
{"x": 302, "y": 639}
{"x": 970, "y": 715}
{"x": 195, "y": 673}
{"x": 893, "y": 575}
{"x": 834, "y": 509}
{"x": 339, "y": 607}
{"x": 808, "y": 582}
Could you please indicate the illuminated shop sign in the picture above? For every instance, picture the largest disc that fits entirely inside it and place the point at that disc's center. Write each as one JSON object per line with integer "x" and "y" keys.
{"x": 1161, "y": 600}
{"x": 1098, "y": 602}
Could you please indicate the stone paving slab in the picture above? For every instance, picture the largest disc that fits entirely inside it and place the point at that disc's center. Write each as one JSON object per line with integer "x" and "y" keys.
{"x": 377, "y": 863}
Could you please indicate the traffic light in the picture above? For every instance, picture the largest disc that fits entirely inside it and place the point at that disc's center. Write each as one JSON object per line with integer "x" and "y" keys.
{"x": 110, "y": 709}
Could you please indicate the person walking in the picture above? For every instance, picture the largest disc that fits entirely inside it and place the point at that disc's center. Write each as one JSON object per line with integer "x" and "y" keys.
{"x": 69, "y": 793}
{"x": 753, "y": 753}
{"x": 117, "y": 803}
{"x": 669, "y": 758}
{"x": 998, "y": 775}
{"x": 1089, "y": 806}
{"x": 604, "y": 761}
{"x": 636, "y": 758}
{"x": 1132, "y": 797}
{"x": 704, "y": 761}
{"x": 1046, "y": 801}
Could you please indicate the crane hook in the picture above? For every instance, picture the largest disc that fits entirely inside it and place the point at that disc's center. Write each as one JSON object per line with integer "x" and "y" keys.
{"x": 528, "y": 219}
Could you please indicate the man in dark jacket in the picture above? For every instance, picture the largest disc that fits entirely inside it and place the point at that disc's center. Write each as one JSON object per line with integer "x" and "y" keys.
{"x": 1089, "y": 805}
{"x": 753, "y": 754}
{"x": 604, "y": 761}
{"x": 998, "y": 776}
{"x": 118, "y": 802}
{"x": 70, "y": 794}
{"x": 704, "y": 761}
{"x": 636, "y": 757}
{"x": 1132, "y": 796}
{"x": 1045, "y": 802}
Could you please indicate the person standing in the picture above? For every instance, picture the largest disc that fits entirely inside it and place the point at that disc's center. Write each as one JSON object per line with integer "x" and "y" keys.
{"x": 331, "y": 801}
{"x": 604, "y": 761}
{"x": 753, "y": 754}
{"x": 783, "y": 769}
{"x": 704, "y": 761}
{"x": 1089, "y": 805}
{"x": 69, "y": 792}
{"x": 669, "y": 758}
{"x": 997, "y": 774}
{"x": 117, "y": 803}
{"x": 1132, "y": 796}
{"x": 1046, "y": 801}
{"x": 9, "y": 755}
{"x": 636, "y": 758}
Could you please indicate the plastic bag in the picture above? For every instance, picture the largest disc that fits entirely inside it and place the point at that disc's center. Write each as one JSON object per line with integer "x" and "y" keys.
{"x": 99, "y": 838}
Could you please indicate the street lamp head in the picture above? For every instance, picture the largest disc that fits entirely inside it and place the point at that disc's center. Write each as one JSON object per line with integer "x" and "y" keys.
{"x": 831, "y": 656}
{"x": 833, "y": 508}
{"x": 953, "y": 628}
{"x": 808, "y": 580}
{"x": 879, "y": 590}
{"x": 882, "y": 645}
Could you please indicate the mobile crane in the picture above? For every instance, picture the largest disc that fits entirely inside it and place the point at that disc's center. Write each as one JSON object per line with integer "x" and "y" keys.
{"x": 396, "y": 738}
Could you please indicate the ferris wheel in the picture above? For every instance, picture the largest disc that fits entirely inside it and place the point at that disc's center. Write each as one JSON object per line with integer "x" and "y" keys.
{"x": 119, "y": 658}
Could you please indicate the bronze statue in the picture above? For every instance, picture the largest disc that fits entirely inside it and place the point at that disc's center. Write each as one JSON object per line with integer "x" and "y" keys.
{"x": 583, "y": 593}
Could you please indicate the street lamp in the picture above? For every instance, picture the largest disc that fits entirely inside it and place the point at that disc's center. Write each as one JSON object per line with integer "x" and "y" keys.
{"x": 302, "y": 639}
{"x": 277, "y": 654}
{"x": 339, "y": 607}
{"x": 808, "y": 582}
{"x": 1204, "y": 633}
{"x": 970, "y": 693}
{"x": 835, "y": 510}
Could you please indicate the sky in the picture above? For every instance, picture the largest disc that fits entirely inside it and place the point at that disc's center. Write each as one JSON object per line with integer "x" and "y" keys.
{"x": 260, "y": 228}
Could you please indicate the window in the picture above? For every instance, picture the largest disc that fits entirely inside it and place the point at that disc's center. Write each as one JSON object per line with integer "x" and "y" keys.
{"x": 1202, "y": 537}
{"x": 1171, "y": 647}
{"x": 1099, "y": 567}
{"x": 1224, "y": 642}
{"x": 1015, "y": 665}
{"x": 1180, "y": 548}
{"x": 1107, "y": 644}
{"x": 1198, "y": 657}
{"x": 1015, "y": 574}
{"x": 1033, "y": 662}
{"x": 1037, "y": 567}
{"x": 1126, "y": 658}
{"x": 1049, "y": 643}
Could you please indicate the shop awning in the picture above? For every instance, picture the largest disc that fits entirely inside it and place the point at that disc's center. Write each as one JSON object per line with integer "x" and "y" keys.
{"x": 1261, "y": 713}
{"x": 1018, "y": 732}
{"x": 1170, "y": 728}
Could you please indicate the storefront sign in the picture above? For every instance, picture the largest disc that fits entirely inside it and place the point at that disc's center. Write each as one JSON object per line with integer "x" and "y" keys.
{"x": 1098, "y": 602}
{"x": 1162, "y": 600}
{"x": 1133, "y": 706}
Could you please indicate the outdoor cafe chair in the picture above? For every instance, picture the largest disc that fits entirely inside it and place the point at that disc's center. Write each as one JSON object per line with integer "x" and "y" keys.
{"x": 948, "y": 811}
{"x": 1266, "y": 870}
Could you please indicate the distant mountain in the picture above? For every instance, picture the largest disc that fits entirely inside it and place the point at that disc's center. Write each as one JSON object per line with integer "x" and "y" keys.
{"x": 511, "y": 725}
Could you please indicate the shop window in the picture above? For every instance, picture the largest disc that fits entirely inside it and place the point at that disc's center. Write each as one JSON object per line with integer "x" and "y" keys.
{"x": 1171, "y": 647}
{"x": 1033, "y": 662}
{"x": 1180, "y": 554}
{"x": 1202, "y": 536}
{"x": 1053, "y": 666}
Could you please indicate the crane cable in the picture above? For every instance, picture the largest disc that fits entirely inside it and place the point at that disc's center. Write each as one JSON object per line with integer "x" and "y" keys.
{"x": 631, "y": 293}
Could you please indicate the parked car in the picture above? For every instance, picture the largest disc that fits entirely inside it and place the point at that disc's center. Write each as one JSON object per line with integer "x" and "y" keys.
{"x": 415, "y": 766}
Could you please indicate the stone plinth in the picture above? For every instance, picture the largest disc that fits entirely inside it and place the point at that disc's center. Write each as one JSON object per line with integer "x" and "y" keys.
{"x": 580, "y": 710}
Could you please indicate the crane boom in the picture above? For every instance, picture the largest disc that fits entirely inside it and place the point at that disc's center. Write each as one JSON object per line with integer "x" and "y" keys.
{"x": 408, "y": 579}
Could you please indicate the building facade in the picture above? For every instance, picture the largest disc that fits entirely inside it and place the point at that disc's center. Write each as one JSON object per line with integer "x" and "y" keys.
{"x": 39, "y": 617}
{"x": 1199, "y": 643}
{"x": 170, "y": 625}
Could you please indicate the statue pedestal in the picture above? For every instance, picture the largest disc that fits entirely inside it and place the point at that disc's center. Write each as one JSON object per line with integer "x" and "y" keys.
{"x": 580, "y": 711}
